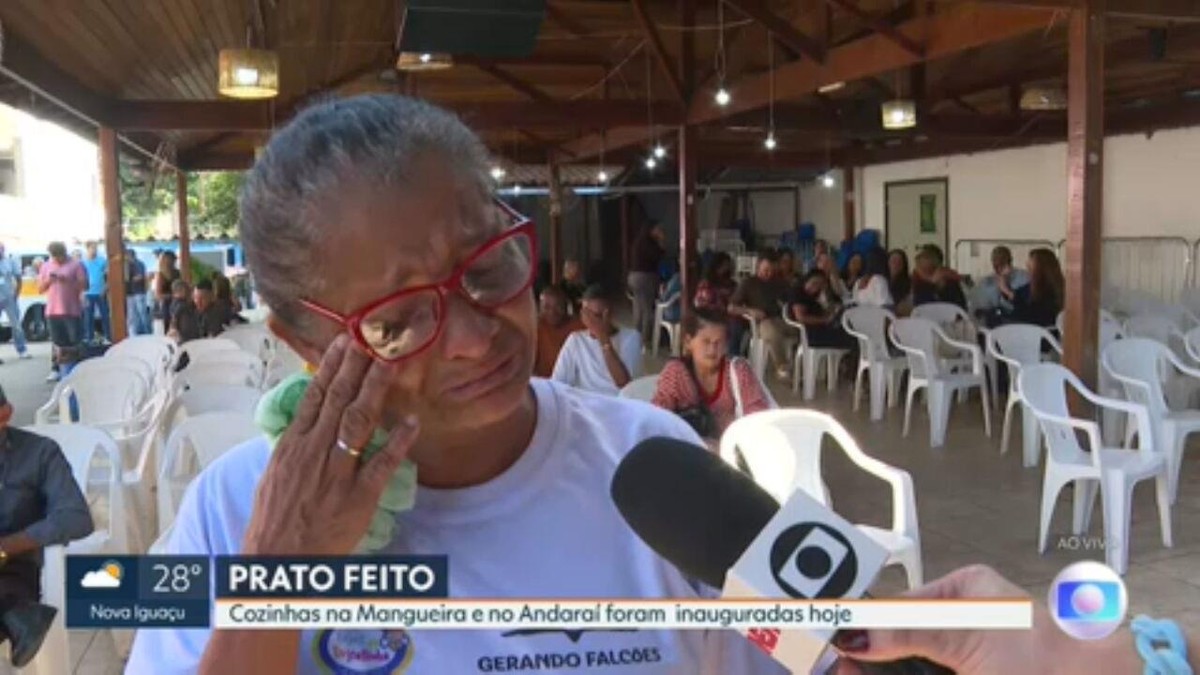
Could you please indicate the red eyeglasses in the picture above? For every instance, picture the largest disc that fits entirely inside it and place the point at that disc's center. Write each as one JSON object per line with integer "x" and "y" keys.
{"x": 408, "y": 321}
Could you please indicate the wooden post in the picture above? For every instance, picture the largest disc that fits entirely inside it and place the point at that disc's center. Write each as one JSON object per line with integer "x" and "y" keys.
{"x": 848, "y": 202}
{"x": 687, "y": 215}
{"x": 555, "y": 223}
{"x": 1085, "y": 182}
{"x": 114, "y": 239}
{"x": 185, "y": 234}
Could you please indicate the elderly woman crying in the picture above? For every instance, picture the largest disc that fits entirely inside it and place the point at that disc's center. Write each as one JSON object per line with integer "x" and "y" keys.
{"x": 371, "y": 229}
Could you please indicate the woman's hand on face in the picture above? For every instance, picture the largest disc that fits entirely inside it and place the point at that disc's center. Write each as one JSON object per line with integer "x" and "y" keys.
{"x": 316, "y": 498}
{"x": 1044, "y": 649}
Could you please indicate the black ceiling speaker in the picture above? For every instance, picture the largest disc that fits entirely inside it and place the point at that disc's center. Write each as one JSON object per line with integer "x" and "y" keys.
{"x": 481, "y": 28}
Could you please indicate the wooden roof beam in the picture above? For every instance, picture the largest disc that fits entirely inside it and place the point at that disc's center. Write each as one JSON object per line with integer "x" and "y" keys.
{"x": 658, "y": 49}
{"x": 516, "y": 83}
{"x": 1163, "y": 10}
{"x": 559, "y": 17}
{"x": 879, "y": 26}
{"x": 783, "y": 32}
{"x": 957, "y": 29}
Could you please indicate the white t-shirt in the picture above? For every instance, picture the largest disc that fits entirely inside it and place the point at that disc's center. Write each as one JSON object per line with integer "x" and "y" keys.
{"x": 581, "y": 361}
{"x": 876, "y": 293}
{"x": 546, "y": 527}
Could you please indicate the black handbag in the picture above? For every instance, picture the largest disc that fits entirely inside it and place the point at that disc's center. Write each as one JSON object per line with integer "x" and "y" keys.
{"x": 699, "y": 417}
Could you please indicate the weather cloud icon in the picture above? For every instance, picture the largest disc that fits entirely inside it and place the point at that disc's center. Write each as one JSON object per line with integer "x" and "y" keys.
{"x": 108, "y": 576}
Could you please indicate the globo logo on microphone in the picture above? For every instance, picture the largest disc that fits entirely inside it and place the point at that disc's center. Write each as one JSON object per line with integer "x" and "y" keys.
{"x": 813, "y": 561}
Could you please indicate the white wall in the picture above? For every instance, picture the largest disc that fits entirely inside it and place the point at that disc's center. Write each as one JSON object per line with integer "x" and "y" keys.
{"x": 1150, "y": 189}
{"x": 822, "y": 206}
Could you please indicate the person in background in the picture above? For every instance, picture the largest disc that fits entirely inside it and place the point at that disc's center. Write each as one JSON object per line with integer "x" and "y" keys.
{"x": 988, "y": 297}
{"x": 602, "y": 357}
{"x": 674, "y": 287}
{"x": 899, "y": 281}
{"x": 647, "y": 255}
{"x": 820, "y": 248}
{"x": 225, "y": 300}
{"x": 1039, "y": 301}
{"x": 164, "y": 285}
{"x": 837, "y": 287}
{"x": 184, "y": 324}
{"x": 716, "y": 285}
{"x": 758, "y": 299}
{"x": 853, "y": 272}
{"x": 95, "y": 299}
{"x": 10, "y": 294}
{"x": 63, "y": 280}
{"x": 872, "y": 287}
{"x": 573, "y": 284}
{"x": 213, "y": 316}
{"x": 1043, "y": 649}
{"x": 700, "y": 378}
{"x": 786, "y": 270}
{"x": 138, "y": 312}
{"x": 821, "y": 322}
{"x": 932, "y": 281}
{"x": 41, "y": 505}
{"x": 554, "y": 326}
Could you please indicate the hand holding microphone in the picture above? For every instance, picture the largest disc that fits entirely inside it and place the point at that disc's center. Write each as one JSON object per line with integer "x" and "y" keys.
{"x": 716, "y": 525}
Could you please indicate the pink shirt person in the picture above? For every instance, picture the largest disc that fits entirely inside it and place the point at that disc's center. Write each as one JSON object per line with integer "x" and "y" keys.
{"x": 63, "y": 283}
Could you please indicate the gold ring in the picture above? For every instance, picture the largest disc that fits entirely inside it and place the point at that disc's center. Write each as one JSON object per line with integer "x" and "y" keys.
{"x": 353, "y": 452}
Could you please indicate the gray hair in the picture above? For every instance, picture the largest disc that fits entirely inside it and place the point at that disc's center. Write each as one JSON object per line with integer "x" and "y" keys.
{"x": 373, "y": 140}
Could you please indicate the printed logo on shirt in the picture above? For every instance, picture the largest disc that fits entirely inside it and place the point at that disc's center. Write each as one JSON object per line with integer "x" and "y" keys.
{"x": 363, "y": 652}
{"x": 632, "y": 657}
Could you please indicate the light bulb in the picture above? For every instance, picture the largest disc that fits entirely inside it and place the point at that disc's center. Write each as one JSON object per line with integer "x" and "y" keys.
{"x": 770, "y": 142}
{"x": 516, "y": 189}
{"x": 602, "y": 176}
{"x": 722, "y": 97}
{"x": 497, "y": 172}
{"x": 827, "y": 180}
{"x": 651, "y": 163}
{"x": 660, "y": 151}
{"x": 425, "y": 58}
{"x": 898, "y": 116}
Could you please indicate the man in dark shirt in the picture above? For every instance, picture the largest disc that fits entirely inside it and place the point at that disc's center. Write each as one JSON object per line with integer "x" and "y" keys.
{"x": 647, "y": 256}
{"x": 933, "y": 282}
{"x": 40, "y": 505}
{"x": 758, "y": 298}
{"x": 137, "y": 311}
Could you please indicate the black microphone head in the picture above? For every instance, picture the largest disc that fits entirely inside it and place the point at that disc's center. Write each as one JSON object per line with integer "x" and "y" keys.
{"x": 693, "y": 509}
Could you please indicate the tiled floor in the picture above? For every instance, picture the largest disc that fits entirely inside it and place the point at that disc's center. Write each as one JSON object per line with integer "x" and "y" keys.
{"x": 975, "y": 505}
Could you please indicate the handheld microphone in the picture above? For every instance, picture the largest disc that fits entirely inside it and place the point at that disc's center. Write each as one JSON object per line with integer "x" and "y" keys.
{"x": 716, "y": 525}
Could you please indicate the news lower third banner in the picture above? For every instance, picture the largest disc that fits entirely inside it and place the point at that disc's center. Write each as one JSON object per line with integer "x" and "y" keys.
{"x": 411, "y": 592}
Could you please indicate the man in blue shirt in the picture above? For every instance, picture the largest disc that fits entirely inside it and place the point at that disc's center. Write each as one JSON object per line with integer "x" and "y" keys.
{"x": 95, "y": 299}
{"x": 988, "y": 297}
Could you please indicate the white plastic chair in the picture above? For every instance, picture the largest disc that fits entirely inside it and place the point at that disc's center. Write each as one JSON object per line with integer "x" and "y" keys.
{"x": 253, "y": 338}
{"x": 921, "y": 340}
{"x": 1140, "y": 365}
{"x": 1113, "y": 470}
{"x": 869, "y": 326}
{"x": 641, "y": 388}
{"x": 1016, "y": 345}
{"x": 782, "y": 450}
{"x": 1191, "y": 343}
{"x": 222, "y": 368}
{"x": 95, "y": 463}
{"x": 284, "y": 362}
{"x": 949, "y": 316}
{"x": 192, "y": 446}
{"x": 203, "y": 346}
{"x": 201, "y": 399}
{"x": 661, "y": 324}
{"x": 809, "y": 360}
{"x": 98, "y": 375}
{"x": 758, "y": 349}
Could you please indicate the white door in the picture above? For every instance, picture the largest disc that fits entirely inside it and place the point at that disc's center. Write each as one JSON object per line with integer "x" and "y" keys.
{"x": 917, "y": 214}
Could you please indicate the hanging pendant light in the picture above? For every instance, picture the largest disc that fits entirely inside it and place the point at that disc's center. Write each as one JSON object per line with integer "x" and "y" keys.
{"x": 769, "y": 142}
{"x": 248, "y": 73}
{"x": 423, "y": 61}
{"x": 899, "y": 113}
{"x": 722, "y": 98}
{"x": 498, "y": 172}
{"x": 651, "y": 163}
{"x": 827, "y": 180}
{"x": 660, "y": 151}
{"x": 602, "y": 177}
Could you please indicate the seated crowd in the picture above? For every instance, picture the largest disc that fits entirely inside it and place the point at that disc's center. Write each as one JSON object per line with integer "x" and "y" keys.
{"x": 709, "y": 384}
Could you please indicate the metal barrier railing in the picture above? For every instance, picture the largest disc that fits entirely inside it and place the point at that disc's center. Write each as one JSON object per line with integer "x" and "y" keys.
{"x": 974, "y": 256}
{"x": 1159, "y": 266}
